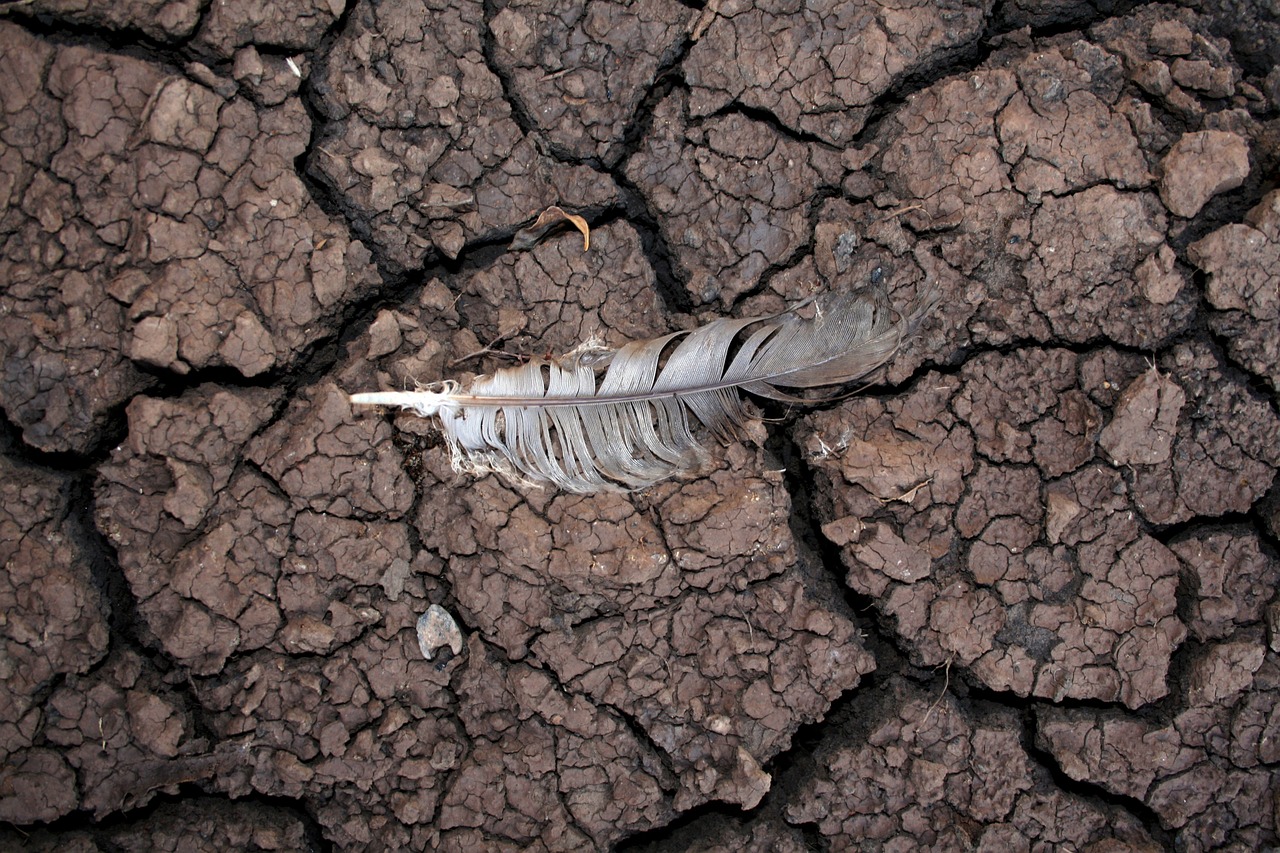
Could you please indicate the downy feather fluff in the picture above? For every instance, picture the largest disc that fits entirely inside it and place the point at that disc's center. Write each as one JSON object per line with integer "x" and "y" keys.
{"x": 559, "y": 421}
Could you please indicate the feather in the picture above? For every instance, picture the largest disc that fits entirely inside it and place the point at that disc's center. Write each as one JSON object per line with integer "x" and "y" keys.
{"x": 559, "y": 421}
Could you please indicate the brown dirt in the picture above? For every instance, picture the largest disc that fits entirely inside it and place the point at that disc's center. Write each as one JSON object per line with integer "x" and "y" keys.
{"x": 1020, "y": 594}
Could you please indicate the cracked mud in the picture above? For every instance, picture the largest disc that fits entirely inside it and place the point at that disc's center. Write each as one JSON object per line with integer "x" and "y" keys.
{"x": 1020, "y": 593}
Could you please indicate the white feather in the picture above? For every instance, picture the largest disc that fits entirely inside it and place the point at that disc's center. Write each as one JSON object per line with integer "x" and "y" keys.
{"x": 549, "y": 420}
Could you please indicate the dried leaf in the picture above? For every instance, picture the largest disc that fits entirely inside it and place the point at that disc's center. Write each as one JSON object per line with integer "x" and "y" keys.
{"x": 548, "y": 221}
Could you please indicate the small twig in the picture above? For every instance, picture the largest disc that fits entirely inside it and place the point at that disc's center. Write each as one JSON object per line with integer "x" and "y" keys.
{"x": 901, "y": 212}
{"x": 487, "y": 349}
{"x": 946, "y": 682}
{"x": 666, "y": 663}
{"x": 908, "y": 496}
{"x": 751, "y": 631}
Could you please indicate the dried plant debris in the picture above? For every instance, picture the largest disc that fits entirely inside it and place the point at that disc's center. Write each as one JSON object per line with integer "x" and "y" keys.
{"x": 548, "y": 221}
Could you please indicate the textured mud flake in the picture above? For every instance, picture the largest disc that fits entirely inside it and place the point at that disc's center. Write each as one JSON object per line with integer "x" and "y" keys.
{"x": 163, "y": 224}
{"x": 730, "y": 194}
{"x": 591, "y": 588}
{"x": 1086, "y": 248}
{"x": 273, "y": 24}
{"x": 419, "y": 144}
{"x": 927, "y": 772}
{"x": 526, "y": 561}
{"x": 128, "y": 737}
{"x": 1232, "y": 578}
{"x": 821, "y": 68}
{"x": 719, "y": 717}
{"x": 1145, "y": 422}
{"x": 1061, "y": 131}
{"x": 568, "y": 766}
{"x": 164, "y": 20}
{"x": 1040, "y": 169}
{"x": 630, "y": 658}
{"x": 1241, "y": 260}
{"x": 1199, "y": 166}
{"x": 1224, "y": 454}
{"x": 1203, "y": 772}
{"x": 555, "y": 296}
{"x": 580, "y": 70}
{"x": 1054, "y": 590}
{"x": 54, "y": 627}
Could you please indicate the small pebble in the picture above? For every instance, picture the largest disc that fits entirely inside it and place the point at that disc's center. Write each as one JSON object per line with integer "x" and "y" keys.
{"x": 437, "y": 628}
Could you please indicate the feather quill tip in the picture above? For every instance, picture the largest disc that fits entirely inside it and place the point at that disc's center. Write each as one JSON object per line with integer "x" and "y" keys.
{"x": 423, "y": 403}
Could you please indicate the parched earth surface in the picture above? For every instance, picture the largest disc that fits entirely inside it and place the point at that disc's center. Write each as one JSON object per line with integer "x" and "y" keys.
{"x": 1018, "y": 594}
